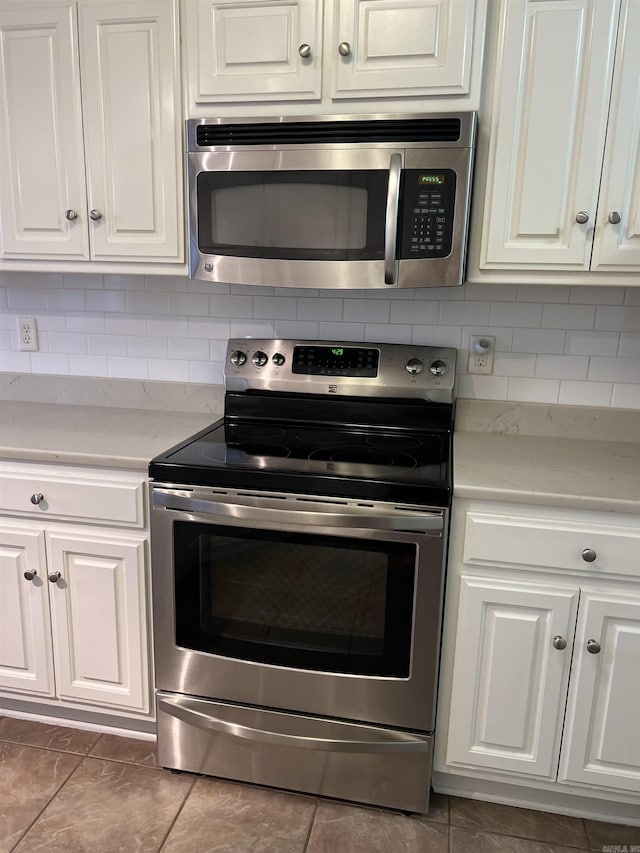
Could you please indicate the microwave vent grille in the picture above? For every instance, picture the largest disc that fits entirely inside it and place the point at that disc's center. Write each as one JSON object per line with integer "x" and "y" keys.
{"x": 442, "y": 129}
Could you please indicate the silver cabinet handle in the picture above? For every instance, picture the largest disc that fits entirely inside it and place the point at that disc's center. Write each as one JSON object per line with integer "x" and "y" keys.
{"x": 614, "y": 217}
{"x": 30, "y": 574}
{"x": 391, "y": 219}
{"x": 54, "y": 577}
{"x": 344, "y": 48}
{"x": 305, "y": 51}
{"x": 588, "y": 555}
{"x": 593, "y": 647}
{"x": 559, "y": 643}
{"x": 36, "y": 498}
{"x": 70, "y": 215}
{"x": 582, "y": 217}
{"x": 95, "y": 215}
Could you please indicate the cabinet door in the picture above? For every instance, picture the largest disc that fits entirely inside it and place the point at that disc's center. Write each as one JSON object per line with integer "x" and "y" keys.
{"x": 99, "y": 619}
{"x": 41, "y": 152}
{"x": 26, "y": 663}
{"x": 509, "y": 681}
{"x": 403, "y": 47}
{"x": 617, "y": 244}
{"x": 256, "y": 50}
{"x": 130, "y": 102}
{"x": 601, "y": 744}
{"x": 547, "y": 132}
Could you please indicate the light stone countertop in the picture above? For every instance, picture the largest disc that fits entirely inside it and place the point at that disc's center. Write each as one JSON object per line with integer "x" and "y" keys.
{"x": 92, "y": 435}
{"x": 548, "y": 455}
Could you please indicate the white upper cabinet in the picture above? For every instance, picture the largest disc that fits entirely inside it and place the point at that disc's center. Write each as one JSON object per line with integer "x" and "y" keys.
{"x": 330, "y": 52}
{"x": 90, "y": 138}
{"x": 563, "y": 100}
{"x": 266, "y": 50}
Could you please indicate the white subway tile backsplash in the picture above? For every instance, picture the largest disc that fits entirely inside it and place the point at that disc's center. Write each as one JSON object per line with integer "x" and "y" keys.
{"x": 539, "y": 340}
{"x": 88, "y": 365}
{"x": 320, "y": 309}
{"x": 561, "y": 366}
{"x": 585, "y": 393}
{"x": 568, "y": 316}
{"x": 365, "y": 311}
{"x": 574, "y": 345}
{"x": 626, "y": 396}
{"x": 592, "y": 343}
{"x": 525, "y": 315}
{"x": 465, "y": 313}
{"x": 533, "y": 390}
{"x": 626, "y": 370}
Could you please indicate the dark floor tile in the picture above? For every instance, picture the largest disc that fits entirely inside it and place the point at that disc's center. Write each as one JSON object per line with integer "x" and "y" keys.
{"x": 107, "y": 806}
{"x": 127, "y": 749}
{"x": 226, "y": 817}
{"x": 525, "y": 823}
{"x": 47, "y": 735}
{"x": 472, "y": 841}
{"x": 29, "y": 777}
{"x": 602, "y": 835}
{"x": 341, "y": 828}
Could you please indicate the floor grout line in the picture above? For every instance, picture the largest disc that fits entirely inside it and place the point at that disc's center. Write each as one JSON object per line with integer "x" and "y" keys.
{"x": 178, "y": 813}
{"x": 311, "y": 825}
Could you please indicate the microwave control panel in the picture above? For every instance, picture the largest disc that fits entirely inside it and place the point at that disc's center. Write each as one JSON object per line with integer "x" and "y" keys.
{"x": 428, "y": 206}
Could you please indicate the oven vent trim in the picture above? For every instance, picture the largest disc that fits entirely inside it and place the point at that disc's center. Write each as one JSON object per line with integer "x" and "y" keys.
{"x": 420, "y": 130}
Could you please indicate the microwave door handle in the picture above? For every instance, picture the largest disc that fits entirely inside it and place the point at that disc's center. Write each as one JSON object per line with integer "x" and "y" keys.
{"x": 391, "y": 219}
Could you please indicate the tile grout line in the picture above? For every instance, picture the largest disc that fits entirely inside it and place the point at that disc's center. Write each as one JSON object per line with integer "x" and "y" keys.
{"x": 53, "y": 796}
{"x": 178, "y": 813}
{"x": 311, "y": 825}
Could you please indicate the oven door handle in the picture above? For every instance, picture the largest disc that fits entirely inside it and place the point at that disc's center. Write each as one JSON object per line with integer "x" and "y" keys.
{"x": 391, "y": 218}
{"x": 364, "y": 519}
{"x": 379, "y": 740}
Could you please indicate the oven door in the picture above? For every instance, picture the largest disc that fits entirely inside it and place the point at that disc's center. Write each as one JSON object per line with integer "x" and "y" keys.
{"x": 301, "y": 604}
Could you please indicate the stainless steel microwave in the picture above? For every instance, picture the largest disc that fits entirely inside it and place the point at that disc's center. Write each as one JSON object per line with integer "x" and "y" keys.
{"x": 331, "y": 201}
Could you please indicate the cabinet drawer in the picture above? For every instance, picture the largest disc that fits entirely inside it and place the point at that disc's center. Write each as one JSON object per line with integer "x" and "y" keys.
{"x": 551, "y": 543}
{"x": 82, "y": 494}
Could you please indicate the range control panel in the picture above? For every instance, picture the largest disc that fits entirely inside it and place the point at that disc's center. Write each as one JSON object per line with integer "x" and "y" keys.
{"x": 341, "y": 368}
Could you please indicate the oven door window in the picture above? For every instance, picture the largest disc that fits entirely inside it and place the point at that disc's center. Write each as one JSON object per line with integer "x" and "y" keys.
{"x": 323, "y": 215}
{"x": 332, "y": 604}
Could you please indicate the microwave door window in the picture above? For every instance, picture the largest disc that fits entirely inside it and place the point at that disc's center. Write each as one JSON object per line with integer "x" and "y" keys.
{"x": 299, "y": 215}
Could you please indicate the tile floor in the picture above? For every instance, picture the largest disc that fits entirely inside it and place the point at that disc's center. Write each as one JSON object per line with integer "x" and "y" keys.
{"x": 64, "y": 790}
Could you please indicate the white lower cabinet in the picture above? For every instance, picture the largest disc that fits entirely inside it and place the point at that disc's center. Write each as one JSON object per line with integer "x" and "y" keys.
{"x": 74, "y": 622}
{"x": 74, "y": 616}
{"x": 541, "y": 651}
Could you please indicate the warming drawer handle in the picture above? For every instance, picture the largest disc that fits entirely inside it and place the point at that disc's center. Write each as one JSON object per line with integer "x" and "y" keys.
{"x": 391, "y": 219}
{"x": 398, "y": 742}
{"x": 362, "y": 519}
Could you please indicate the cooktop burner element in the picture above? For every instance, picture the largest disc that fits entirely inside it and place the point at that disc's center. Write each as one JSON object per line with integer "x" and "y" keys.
{"x": 306, "y": 417}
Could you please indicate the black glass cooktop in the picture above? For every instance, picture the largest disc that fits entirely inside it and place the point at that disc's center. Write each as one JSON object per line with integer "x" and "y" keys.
{"x": 407, "y": 465}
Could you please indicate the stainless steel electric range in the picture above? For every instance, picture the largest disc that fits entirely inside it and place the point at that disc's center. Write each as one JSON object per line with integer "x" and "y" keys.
{"x": 298, "y": 549}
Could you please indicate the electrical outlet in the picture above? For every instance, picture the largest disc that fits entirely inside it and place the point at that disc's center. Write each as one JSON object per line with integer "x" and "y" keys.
{"x": 481, "y": 350}
{"x": 28, "y": 334}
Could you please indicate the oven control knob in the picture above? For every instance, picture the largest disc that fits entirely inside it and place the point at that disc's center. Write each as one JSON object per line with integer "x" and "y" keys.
{"x": 238, "y": 358}
{"x": 259, "y": 358}
{"x": 414, "y": 366}
{"x": 278, "y": 359}
{"x": 438, "y": 368}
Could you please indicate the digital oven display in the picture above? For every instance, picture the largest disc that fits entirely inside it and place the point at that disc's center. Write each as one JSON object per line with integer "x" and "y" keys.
{"x": 336, "y": 361}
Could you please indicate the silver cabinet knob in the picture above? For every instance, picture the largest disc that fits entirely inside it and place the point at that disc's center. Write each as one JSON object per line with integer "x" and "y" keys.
{"x": 30, "y": 574}
{"x": 305, "y": 51}
{"x": 593, "y": 647}
{"x": 559, "y": 643}
{"x": 614, "y": 217}
{"x": 70, "y": 215}
{"x": 344, "y": 48}
{"x": 95, "y": 215}
{"x": 582, "y": 217}
{"x": 36, "y": 498}
{"x": 54, "y": 577}
{"x": 588, "y": 555}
